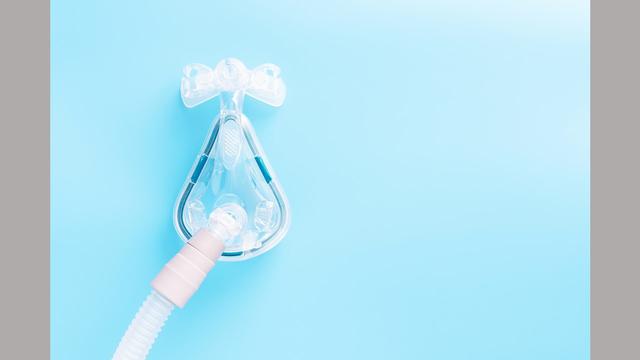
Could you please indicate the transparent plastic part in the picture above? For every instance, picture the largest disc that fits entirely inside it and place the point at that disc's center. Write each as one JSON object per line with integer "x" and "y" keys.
{"x": 232, "y": 167}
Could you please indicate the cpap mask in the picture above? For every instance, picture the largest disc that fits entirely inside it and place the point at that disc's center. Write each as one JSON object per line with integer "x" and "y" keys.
{"x": 231, "y": 206}
{"x": 232, "y": 167}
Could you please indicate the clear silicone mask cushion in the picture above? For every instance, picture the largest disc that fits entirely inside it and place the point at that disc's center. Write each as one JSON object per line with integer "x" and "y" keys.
{"x": 232, "y": 167}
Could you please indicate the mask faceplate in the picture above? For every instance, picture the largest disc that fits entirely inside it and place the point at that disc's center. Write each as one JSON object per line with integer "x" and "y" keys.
{"x": 232, "y": 167}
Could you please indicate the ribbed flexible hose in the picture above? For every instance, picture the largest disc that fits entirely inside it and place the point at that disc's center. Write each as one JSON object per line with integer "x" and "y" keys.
{"x": 144, "y": 328}
{"x": 179, "y": 279}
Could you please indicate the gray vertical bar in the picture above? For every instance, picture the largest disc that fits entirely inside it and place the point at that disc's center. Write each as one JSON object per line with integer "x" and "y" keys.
{"x": 24, "y": 172}
{"x": 615, "y": 179}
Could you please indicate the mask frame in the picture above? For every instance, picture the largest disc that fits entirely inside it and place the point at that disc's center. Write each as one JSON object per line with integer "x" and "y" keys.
{"x": 231, "y": 81}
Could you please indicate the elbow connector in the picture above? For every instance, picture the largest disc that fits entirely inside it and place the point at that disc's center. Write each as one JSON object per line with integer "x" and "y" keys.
{"x": 181, "y": 277}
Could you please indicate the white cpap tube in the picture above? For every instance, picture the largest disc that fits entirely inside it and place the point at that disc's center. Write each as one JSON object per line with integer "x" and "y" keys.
{"x": 179, "y": 279}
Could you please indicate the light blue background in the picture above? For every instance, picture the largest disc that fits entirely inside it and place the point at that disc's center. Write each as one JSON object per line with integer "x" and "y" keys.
{"x": 436, "y": 156}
